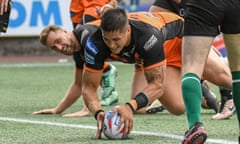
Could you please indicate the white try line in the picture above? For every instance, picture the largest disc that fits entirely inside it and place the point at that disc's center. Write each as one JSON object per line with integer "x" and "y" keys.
{"x": 172, "y": 136}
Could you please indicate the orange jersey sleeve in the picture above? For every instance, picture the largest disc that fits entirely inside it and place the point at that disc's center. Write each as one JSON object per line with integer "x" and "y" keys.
{"x": 76, "y": 11}
{"x": 78, "y": 8}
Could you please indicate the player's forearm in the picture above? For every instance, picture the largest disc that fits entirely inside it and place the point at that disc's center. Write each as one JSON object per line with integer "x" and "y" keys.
{"x": 91, "y": 100}
{"x": 152, "y": 91}
{"x": 71, "y": 96}
{"x": 90, "y": 84}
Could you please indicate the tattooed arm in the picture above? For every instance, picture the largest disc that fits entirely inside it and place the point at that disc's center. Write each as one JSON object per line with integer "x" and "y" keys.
{"x": 155, "y": 79}
{"x": 154, "y": 89}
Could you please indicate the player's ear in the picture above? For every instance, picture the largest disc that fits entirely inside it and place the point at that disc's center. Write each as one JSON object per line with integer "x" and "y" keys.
{"x": 64, "y": 30}
{"x": 129, "y": 29}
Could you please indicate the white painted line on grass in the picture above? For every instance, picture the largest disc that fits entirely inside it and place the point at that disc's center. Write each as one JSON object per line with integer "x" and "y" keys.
{"x": 172, "y": 136}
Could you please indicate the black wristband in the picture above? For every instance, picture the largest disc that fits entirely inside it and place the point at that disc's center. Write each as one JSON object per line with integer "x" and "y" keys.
{"x": 130, "y": 106}
{"x": 142, "y": 100}
{"x": 96, "y": 114}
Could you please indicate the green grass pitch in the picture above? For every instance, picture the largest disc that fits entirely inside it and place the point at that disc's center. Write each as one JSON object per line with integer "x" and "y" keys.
{"x": 31, "y": 88}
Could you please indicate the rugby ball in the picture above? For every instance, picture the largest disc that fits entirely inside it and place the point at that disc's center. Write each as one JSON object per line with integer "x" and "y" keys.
{"x": 110, "y": 126}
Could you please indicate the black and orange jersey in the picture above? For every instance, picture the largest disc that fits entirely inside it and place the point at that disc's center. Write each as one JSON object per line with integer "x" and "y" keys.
{"x": 163, "y": 21}
{"x": 82, "y": 33}
{"x": 149, "y": 33}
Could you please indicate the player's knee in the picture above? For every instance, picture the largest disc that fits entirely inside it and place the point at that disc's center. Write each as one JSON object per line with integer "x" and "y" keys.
{"x": 177, "y": 110}
{"x": 224, "y": 80}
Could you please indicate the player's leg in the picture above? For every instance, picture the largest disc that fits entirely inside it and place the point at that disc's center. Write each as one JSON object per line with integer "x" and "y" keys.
{"x": 209, "y": 99}
{"x": 200, "y": 28}
{"x": 233, "y": 48}
{"x": 195, "y": 53}
{"x": 217, "y": 71}
{"x": 226, "y": 108}
{"x": 226, "y": 95}
{"x": 109, "y": 94}
{"x": 172, "y": 97}
{"x": 173, "y": 82}
{"x": 4, "y": 19}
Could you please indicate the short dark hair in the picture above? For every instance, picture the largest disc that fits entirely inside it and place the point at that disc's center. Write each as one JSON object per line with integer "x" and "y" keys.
{"x": 114, "y": 20}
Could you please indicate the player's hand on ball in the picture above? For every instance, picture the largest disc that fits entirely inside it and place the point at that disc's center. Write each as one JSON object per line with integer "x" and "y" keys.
{"x": 100, "y": 119}
{"x": 126, "y": 117}
{"x": 46, "y": 111}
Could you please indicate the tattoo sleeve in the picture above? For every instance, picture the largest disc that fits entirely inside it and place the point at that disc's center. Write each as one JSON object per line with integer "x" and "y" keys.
{"x": 155, "y": 79}
{"x": 156, "y": 74}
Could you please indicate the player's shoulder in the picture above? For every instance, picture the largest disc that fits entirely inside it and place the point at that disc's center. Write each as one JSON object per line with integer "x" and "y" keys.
{"x": 89, "y": 28}
{"x": 94, "y": 23}
{"x": 95, "y": 44}
{"x": 82, "y": 32}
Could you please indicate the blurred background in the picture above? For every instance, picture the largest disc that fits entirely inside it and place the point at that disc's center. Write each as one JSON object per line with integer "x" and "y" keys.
{"x": 29, "y": 17}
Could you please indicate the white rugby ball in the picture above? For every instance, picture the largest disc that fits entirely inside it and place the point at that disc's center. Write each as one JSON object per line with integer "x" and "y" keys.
{"x": 110, "y": 126}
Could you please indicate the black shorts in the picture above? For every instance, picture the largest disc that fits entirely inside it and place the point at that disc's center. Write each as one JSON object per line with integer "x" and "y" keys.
{"x": 4, "y": 19}
{"x": 209, "y": 17}
{"x": 171, "y": 5}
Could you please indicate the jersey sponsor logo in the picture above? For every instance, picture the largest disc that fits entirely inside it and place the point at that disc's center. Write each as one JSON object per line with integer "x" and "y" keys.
{"x": 91, "y": 47}
{"x": 150, "y": 43}
{"x": 90, "y": 52}
{"x": 88, "y": 58}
